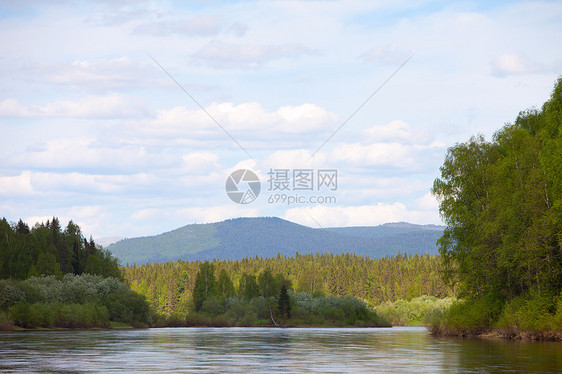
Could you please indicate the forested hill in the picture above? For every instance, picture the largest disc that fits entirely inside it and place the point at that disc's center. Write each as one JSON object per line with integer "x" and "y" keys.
{"x": 267, "y": 236}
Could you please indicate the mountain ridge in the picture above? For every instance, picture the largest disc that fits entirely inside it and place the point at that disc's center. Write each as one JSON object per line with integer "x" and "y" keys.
{"x": 237, "y": 238}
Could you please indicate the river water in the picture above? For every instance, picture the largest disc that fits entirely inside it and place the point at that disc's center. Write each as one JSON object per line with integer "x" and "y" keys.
{"x": 263, "y": 350}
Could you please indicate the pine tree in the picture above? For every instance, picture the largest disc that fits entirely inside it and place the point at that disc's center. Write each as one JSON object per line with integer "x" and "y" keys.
{"x": 284, "y": 303}
{"x": 205, "y": 284}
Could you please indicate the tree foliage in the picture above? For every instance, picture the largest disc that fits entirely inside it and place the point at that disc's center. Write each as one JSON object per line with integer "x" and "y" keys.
{"x": 74, "y": 301}
{"x": 205, "y": 284}
{"x": 47, "y": 249}
{"x": 502, "y": 202}
{"x": 284, "y": 303}
{"x": 169, "y": 287}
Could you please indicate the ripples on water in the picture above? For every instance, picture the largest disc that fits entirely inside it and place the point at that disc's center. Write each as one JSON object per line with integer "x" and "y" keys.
{"x": 259, "y": 350}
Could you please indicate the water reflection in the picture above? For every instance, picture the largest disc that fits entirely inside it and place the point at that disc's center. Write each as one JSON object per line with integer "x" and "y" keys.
{"x": 246, "y": 350}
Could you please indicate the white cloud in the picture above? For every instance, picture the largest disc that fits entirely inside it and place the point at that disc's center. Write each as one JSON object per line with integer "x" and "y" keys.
{"x": 395, "y": 130}
{"x": 376, "y": 154}
{"x": 16, "y": 185}
{"x": 247, "y": 56}
{"x": 385, "y": 54}
{"x": 121, "y": 13}
{"x": 293, "y": 159}
{"x": 107, "y": 106}
{"x": 428, "y": 202}
{"x": 201, "y": 162}
{"x": 250, "y": 118}
{"x": 304, "y": 118}
{"x": 12, "y": 108}
{"x": 214, "y": 213}
{"x": 513, "y": 63}
{"x": 198, "y": 26}
{"x": 364, "y": 215}
{"x": 278, "y": 75}
{"x": 87, "y": 153}
{"x": 238, "y": 29}
{"x": 107, "y": 73}
{"x": 88, "y": 183}
{"x": 144, "y": 214}
{"x": 90, "y": 218}
{"x": 508, "y": 64}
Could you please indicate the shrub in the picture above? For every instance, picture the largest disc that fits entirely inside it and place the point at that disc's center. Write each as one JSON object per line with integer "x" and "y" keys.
{"x": 10, "y": 295}
{"x": 248, "y": 318}
{"x": 5, "y": 322}
{"x": 261, "y": 307}
{"x": 213, "y": 306}
{"x": 422, "y": 309}
{"x": 23, "y": 316}
{"x": 468, "y": 317}
{"x": 175, "y": 320}
{"x": 81, "y": 315}
{"x": 531, "y": 313}
{"x": 44, "y": 314}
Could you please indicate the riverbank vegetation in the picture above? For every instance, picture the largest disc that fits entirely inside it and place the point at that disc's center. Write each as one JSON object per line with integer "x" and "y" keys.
{"x": 169, "y": 287}
{"x": 75, "y": 301}
{"x": 502, "y": 203}
{"x": 266, "y": 299}
{"x": 51, "y": 278}
{"x": 419, "y": 311}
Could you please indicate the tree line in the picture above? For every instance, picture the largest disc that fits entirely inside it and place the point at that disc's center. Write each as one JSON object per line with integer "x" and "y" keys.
{"x": 169, "y": 287}
{"x": 48, "y": 249}
{"x": 55, "y": 277}
{"x": 267, "y": 299}
{"x": 502, "y": 203}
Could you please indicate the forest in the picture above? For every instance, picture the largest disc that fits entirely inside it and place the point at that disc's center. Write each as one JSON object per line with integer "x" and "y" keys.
{"x": 169, "y": 287}
{"x": 267, "y": 299}
{"x": 50, "y": 277}
{"x": 47, "y": 249}
{"x": 54, "y": 277}
{"x": 502, "y": 203}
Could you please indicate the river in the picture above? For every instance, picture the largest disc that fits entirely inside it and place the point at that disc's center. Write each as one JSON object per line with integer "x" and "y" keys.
{"x": 261, "y": 350}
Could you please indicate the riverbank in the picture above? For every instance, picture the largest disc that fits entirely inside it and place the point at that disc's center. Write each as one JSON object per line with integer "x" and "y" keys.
{"x": 500, "y": 334}
{"x": 529, "y": 317}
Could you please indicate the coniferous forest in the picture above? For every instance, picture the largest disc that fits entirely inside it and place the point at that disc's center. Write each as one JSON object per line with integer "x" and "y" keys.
{"x": 169, "y": 286}
{"x": 50, "y": 277}
{"x": 48, "y": 249}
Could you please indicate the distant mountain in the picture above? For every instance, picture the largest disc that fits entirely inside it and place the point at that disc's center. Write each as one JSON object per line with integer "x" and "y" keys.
{"x": 104, "y": 242}
{"x": 268, "y": 236}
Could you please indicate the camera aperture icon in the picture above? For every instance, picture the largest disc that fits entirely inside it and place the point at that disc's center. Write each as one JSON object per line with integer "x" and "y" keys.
{"x": 243, "y": 186}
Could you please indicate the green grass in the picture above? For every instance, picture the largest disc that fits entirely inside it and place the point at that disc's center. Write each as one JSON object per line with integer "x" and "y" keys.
{"x": 119, "y": 325}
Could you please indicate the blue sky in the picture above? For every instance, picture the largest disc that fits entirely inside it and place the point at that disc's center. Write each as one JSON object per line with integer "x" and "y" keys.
{"x": 93, "y": 130}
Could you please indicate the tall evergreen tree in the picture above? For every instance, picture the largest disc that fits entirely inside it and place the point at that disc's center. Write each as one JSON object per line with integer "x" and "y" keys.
{"x": 284, "y": 303}
{"x": 249, "y": 286}
{"x": 225, "y": 286}
{"x": 205, "y": 284}
{"x": 267, "y": 284}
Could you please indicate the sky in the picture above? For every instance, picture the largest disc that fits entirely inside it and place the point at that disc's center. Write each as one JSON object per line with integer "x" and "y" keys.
{"x": 128, "y": 117}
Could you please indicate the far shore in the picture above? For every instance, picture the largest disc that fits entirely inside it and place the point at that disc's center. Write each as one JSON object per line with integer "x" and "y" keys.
{"x": 502, "y": 334}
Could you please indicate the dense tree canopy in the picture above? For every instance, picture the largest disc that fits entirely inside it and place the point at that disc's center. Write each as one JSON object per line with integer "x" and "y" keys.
{"x": 47, "y": 249}
{"x": 502, "y": 203}
{"x": 169, "y": 286}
